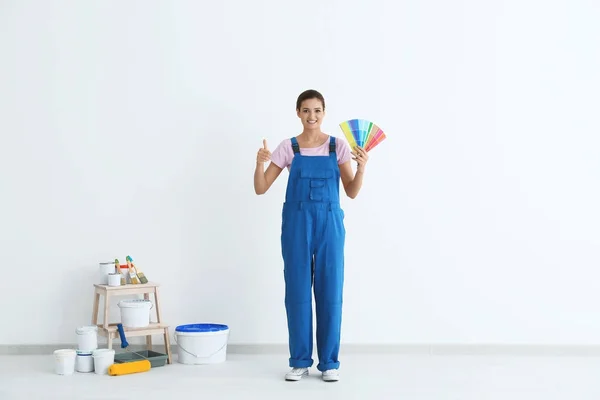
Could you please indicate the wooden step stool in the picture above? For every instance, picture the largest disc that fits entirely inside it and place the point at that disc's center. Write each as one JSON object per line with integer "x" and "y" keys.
{"x": 110, "y": 330}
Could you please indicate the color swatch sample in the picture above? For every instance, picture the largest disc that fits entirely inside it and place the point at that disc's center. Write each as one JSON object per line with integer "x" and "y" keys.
{"x": 362, "y": 133}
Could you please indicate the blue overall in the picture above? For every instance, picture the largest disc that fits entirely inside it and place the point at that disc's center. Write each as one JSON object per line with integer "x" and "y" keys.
{"x": 312, "y": 243}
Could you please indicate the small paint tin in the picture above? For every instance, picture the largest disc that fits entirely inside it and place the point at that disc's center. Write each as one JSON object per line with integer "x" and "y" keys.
{"x": 114, "y": 279}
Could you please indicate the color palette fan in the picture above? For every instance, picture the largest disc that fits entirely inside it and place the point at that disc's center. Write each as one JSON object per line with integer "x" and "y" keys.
{"x": 363, "y": 133}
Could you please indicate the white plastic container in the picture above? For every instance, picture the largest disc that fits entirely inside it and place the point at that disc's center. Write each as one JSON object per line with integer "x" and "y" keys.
{"x": 103, "y": 358}
{"x": 135, "y": 313}
{"x": 87, "y": 338}
{"x": 64, "y": 361}
{"x": 84, "y": 362}
{"x": 105, "y": 269}
{"x": 201, "y": 343}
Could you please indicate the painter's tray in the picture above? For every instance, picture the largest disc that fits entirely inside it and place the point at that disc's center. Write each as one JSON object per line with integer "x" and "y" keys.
{"x": 156, "y": 359}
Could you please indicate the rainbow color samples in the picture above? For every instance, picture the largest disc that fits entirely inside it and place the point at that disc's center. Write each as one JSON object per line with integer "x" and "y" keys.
{"x": 362, "y": 133}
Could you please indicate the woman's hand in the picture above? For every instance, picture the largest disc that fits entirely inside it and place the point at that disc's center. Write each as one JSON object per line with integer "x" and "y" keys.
{"x": 361, "y": 157}
{"x": 264, "y": 179}
{"x": 263, "y": 154}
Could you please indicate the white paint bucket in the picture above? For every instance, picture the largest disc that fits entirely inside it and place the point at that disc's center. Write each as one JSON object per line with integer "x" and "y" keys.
{"x": 87, "y": 338}
{"x": 105, "y": 269}
{"x": 114, "y": 279}
{"x": 84, "y": 362}
{"x": 201, "y": 343}
{"x": 135, "y": 313}
{"x": 103, "y": 358}
{"x": 64, "y": 361}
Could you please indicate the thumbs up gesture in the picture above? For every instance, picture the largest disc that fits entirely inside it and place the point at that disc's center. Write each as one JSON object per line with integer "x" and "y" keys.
{"x": 264, "y": 154}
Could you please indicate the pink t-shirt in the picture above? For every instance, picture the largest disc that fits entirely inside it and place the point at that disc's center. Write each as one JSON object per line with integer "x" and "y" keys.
{"x": 283, "y": 154}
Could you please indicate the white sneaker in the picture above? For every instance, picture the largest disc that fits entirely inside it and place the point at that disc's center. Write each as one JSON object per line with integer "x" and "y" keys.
{"x": 296, "y": 374}
{"x": 331, "y": 375}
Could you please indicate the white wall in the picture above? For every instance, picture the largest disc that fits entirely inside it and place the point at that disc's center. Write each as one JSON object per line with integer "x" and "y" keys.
{"x": 478, "y": 220}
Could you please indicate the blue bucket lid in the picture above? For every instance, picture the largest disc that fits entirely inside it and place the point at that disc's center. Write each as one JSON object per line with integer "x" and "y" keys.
{"x": 201, "y": 328}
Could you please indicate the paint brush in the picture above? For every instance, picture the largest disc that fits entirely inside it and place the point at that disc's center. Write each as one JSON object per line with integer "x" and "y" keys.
{"x": 132, "y": 274}
{"x": 138, "y": 272}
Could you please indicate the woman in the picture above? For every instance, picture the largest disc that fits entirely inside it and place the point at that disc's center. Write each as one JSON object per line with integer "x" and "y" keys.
{"x": 312, "y": 232}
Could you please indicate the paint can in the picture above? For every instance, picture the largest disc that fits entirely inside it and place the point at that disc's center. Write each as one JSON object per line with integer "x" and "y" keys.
{"x": 84, "y": 362}
{"x": 135, "y": 313}
{"x": 125, "y": 274}
{"x": 103, "y": 358}
{"x": 114, "y": 279}
{"x": 87, "y": 338}
{"x": 64, "y": 361}
{"x": 105, "y": 269}
{"x": 202, "y": 343}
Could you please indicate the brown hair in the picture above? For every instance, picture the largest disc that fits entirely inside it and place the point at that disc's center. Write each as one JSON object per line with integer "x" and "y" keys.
{"x": 309, "y": 94}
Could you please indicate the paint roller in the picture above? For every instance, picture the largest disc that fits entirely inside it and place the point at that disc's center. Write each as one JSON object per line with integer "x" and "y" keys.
{"x": 127, "y": 368}
{"x": 132, "y": 367}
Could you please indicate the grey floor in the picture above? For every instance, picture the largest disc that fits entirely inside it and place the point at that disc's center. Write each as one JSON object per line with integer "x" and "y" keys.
{"x": 444, "y": 377}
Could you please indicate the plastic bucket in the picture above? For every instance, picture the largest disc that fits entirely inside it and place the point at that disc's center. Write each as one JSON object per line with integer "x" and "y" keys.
{"x": 201, "y": 343}
{"x": 64, "y": 361}
{"x": 84, "y": 362}
{"x": 103, "y": 358}
{"x": 87, "y": 338}
{"x": 135, "y": 313}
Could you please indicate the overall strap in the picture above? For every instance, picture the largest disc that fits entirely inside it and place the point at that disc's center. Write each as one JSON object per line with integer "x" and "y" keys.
{"x": 331, "y": 144}
{"x": 295, "y": 146}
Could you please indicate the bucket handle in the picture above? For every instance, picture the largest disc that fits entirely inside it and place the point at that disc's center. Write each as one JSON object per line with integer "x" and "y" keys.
{"x": 151, "y": 305}
{"x": 197, "y": 356}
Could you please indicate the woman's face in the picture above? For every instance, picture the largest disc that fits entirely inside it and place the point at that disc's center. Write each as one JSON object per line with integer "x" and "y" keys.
{"x": 311, "y": 114}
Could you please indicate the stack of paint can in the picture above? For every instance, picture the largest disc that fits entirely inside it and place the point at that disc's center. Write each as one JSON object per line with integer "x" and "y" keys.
{"x": 87, "y": 342}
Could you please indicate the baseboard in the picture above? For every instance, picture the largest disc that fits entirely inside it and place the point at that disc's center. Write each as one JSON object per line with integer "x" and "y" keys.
{"x": 436, "y": 349}
{"x": 349, "y": 349}
{"x": 47, "y": 349}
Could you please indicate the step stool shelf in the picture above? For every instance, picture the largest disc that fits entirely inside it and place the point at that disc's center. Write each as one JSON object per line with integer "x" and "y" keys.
{"x": 109, "y": 330}
{"x": 153, "y": 329}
